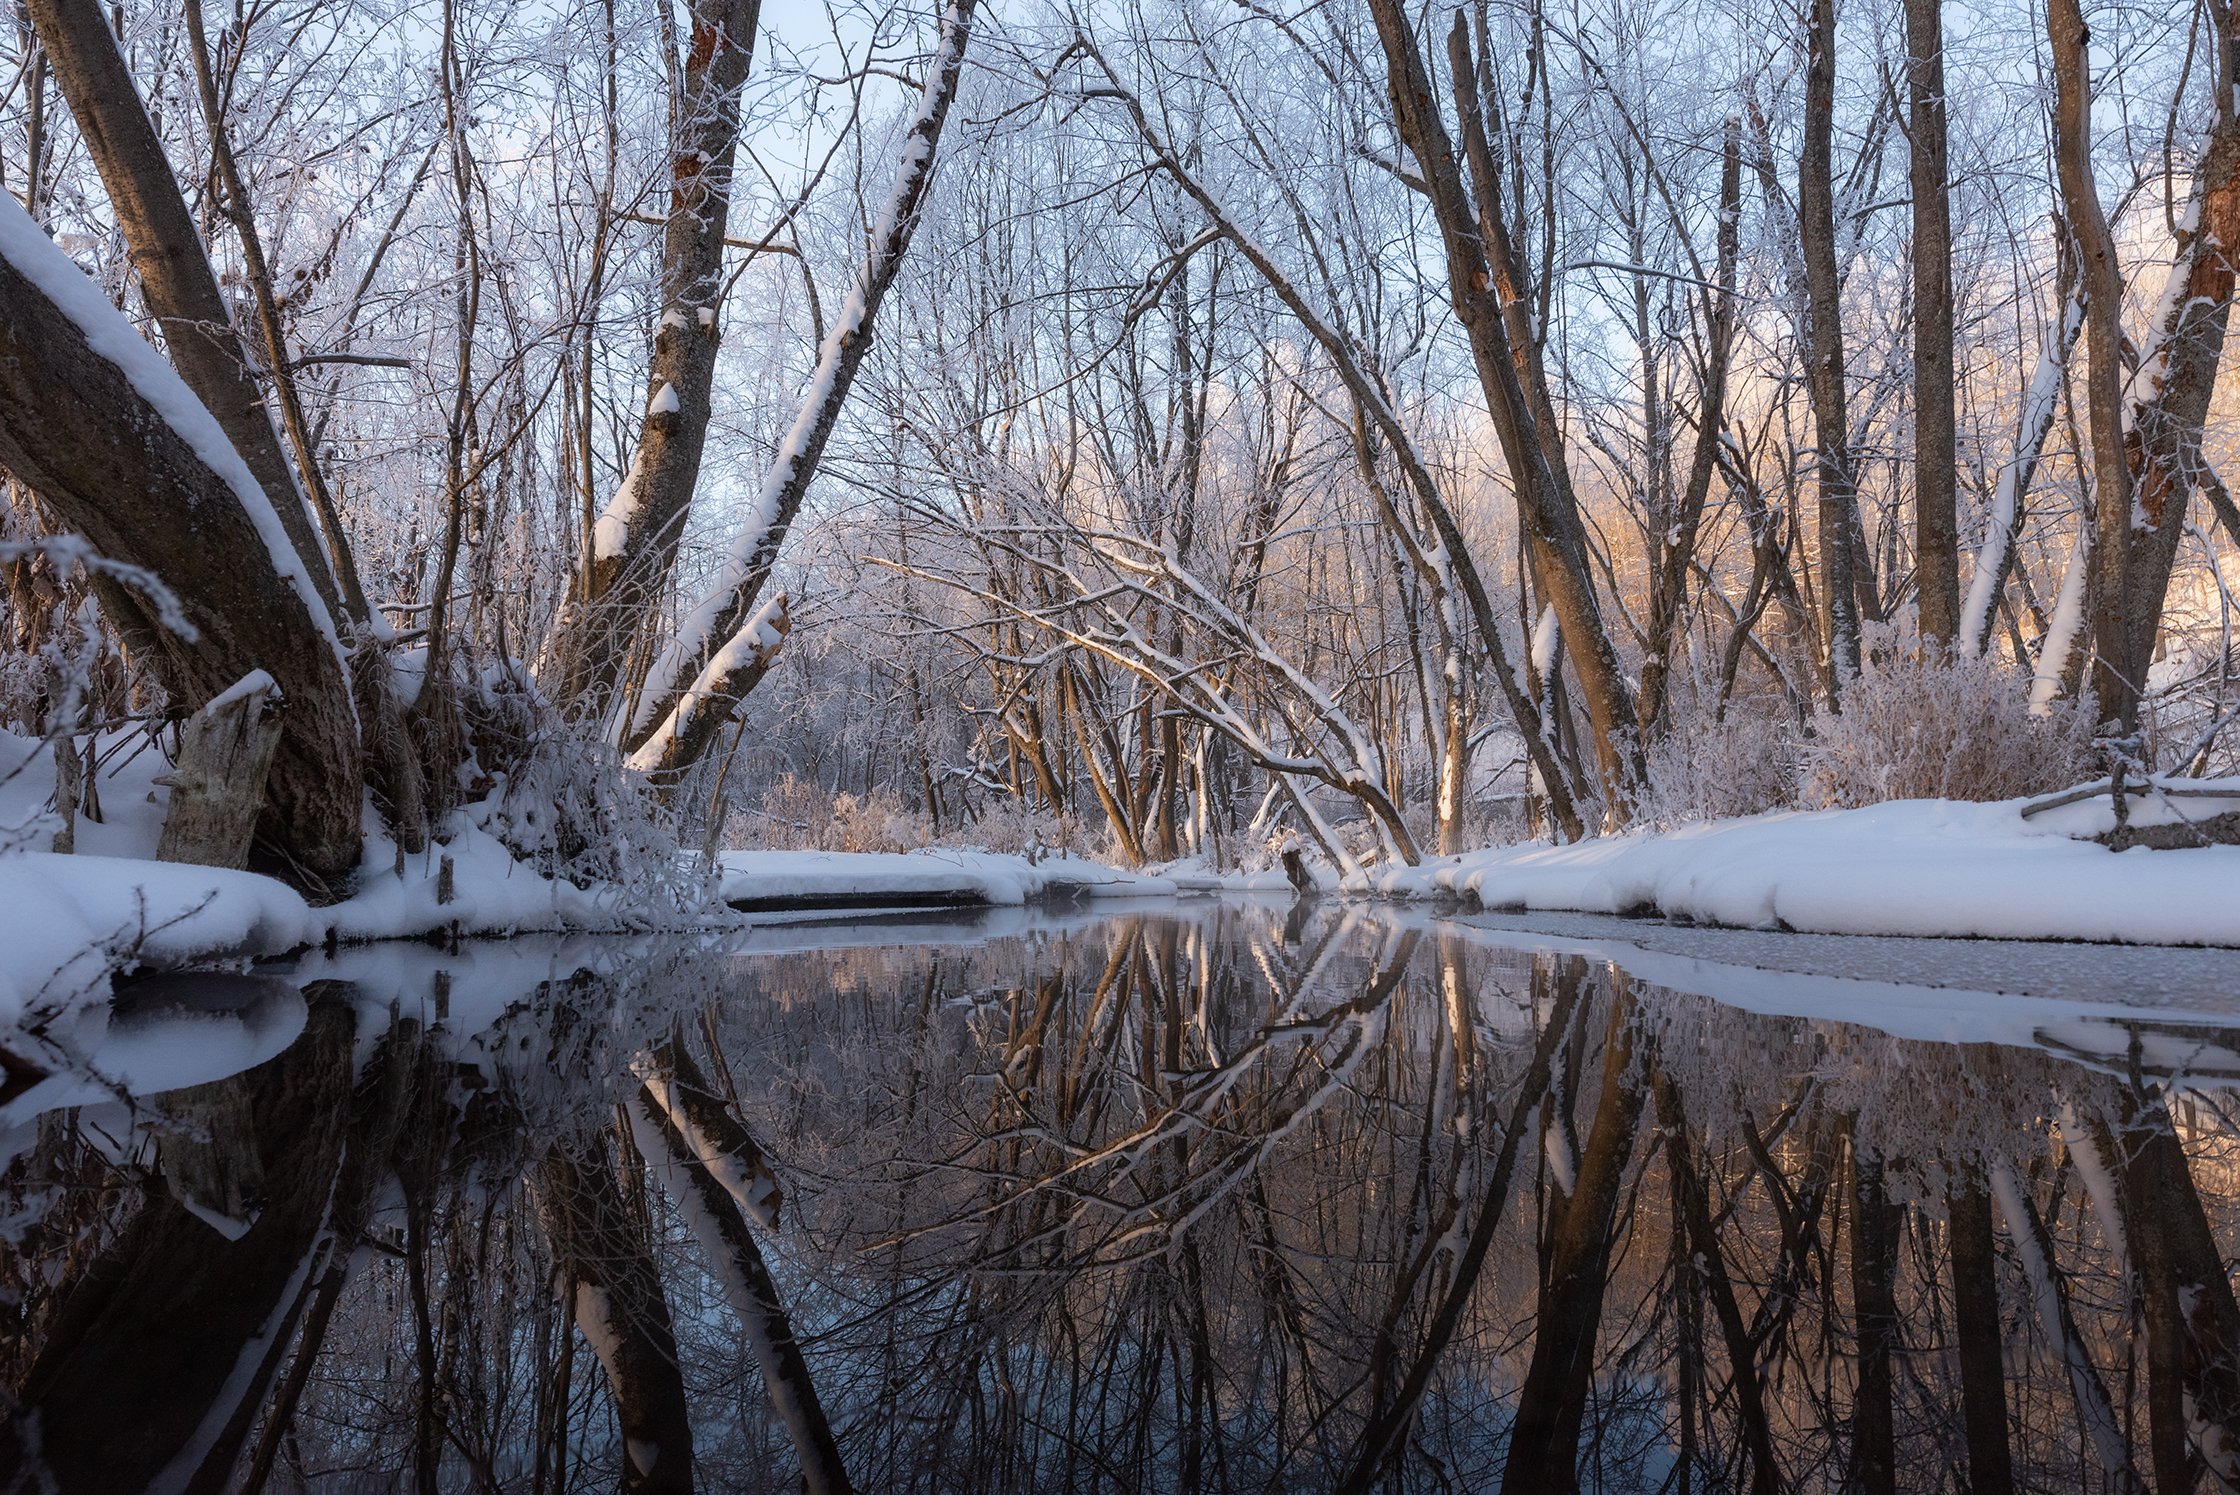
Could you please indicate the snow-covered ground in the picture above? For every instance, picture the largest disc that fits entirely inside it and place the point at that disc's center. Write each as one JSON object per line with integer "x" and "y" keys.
{"x": 68, "y": 922}
{"x": 1921, "y": 868}
{"x": 1908, "y": 867}
{"x": 865, "y": 879}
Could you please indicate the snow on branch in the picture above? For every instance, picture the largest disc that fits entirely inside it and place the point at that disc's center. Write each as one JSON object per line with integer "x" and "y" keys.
{"x": 715, "y": 694}
{"x": 73, "y": 552}
{"x": 38, "y": 259}
{"x": 2039, "y": 403}
{"x": 754, "y": 548}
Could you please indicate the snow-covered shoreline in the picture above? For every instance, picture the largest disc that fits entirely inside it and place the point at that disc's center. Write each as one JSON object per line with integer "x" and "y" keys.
{"x": 1923, "y": 868}
{"x": 758, "y": 881}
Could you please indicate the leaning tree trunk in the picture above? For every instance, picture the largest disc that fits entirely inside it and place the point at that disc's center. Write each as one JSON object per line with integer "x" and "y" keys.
{"x": 183, "y": 293}
{"x": 120, "y": 451}
{"x": 176, "y": 280}
{"x": 2169, "y": 394}
{"x": 1547, "y": 507}
{"x": 633, "y": 543}
{"x": 725, "y": 644}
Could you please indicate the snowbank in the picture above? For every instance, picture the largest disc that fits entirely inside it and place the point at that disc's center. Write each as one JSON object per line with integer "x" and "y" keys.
{"x": 757, "y": 880}
{"x": 492, "y": 893}
{"x": 1909, "y": 867}
{"x": 67, "y": 921}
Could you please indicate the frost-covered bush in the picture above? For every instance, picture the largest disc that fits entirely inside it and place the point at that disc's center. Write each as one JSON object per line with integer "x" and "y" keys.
{"x": 1011, "y": 825}
{"x": 1706, "y": 766}
{"x": 1920, "y": 723}
{"x": 796, "y": 814}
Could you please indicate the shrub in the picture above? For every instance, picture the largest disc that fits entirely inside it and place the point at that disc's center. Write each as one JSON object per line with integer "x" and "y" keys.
{"x": 1706, "y": 767}
{"x": 1920, "y": 723}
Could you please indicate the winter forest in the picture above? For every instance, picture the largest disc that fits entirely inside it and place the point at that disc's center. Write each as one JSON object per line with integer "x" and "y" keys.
{"x": 1150, "y": 431}
{"x": 1045, "y": 745}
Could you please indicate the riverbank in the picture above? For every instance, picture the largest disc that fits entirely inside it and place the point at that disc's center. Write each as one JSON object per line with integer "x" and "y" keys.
{"x": 2016, "y": 870}
{"x": 2012, "y": 869}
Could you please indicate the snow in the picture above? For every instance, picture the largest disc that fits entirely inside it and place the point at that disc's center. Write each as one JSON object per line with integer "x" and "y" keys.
{"x": 2038, "y": 410}
{"x": 813, "y": 418}
{"x": 68, "y": 921}
{"x": 610, "y": 532}
{"x": 664, "y": 400}
{"x": 493, "y": 893}
{"x": 255, "y": 683}
{"x": 983, "y": 877}
{"x": 26, "y": 247}
{"x": 152, "y": 1045}
{"x": 1908, "y": 867}
{"x": 1545, "y": 637}
{"x": 758, "y": 639}
{"x": 2068, "y": 622}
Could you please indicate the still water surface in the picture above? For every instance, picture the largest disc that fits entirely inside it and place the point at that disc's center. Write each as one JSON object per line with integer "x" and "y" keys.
{"x": 1201, "y": 1197}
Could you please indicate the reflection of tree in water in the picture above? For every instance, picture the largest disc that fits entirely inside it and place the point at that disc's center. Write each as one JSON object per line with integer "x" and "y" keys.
{"x": 1157, "y": 1204}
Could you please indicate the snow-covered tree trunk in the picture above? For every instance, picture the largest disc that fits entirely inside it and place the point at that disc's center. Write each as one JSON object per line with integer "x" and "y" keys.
{"x": 180, "y": 288}
{"x": 176, "y": 281}
{"x": 217, "y": 786}
{"x": 624, "y": 571}
{"x": 725, "y": 643}
{"x": 2041, "y": 400}
{"x": 2147, "y": 427}
{"x": 119, "y": 450}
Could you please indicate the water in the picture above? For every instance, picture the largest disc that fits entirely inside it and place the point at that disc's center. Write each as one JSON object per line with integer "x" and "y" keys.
{"x": 1192, "y": 1198}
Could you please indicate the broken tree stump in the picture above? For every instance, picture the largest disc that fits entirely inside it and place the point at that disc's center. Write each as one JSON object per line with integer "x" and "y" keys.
{"x": 217, "y": 789}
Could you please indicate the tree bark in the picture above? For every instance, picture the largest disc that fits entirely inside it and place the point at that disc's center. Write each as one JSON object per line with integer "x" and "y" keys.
{"x": 716, "y": 656}
{"x": 107, "y": 464}
{"x": 2168, "y": 398}
{"x": 1547, "y": 506}
{"x": 2103, "y": 295}
{"x": 1824, "y": 363}
{"x": 1675, "y": 552}
{"x": 633, "y": 544}
{"x": 176, "y": 280}
{"x": 1935, "y": 451}
{"x": 217, "y": 787}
